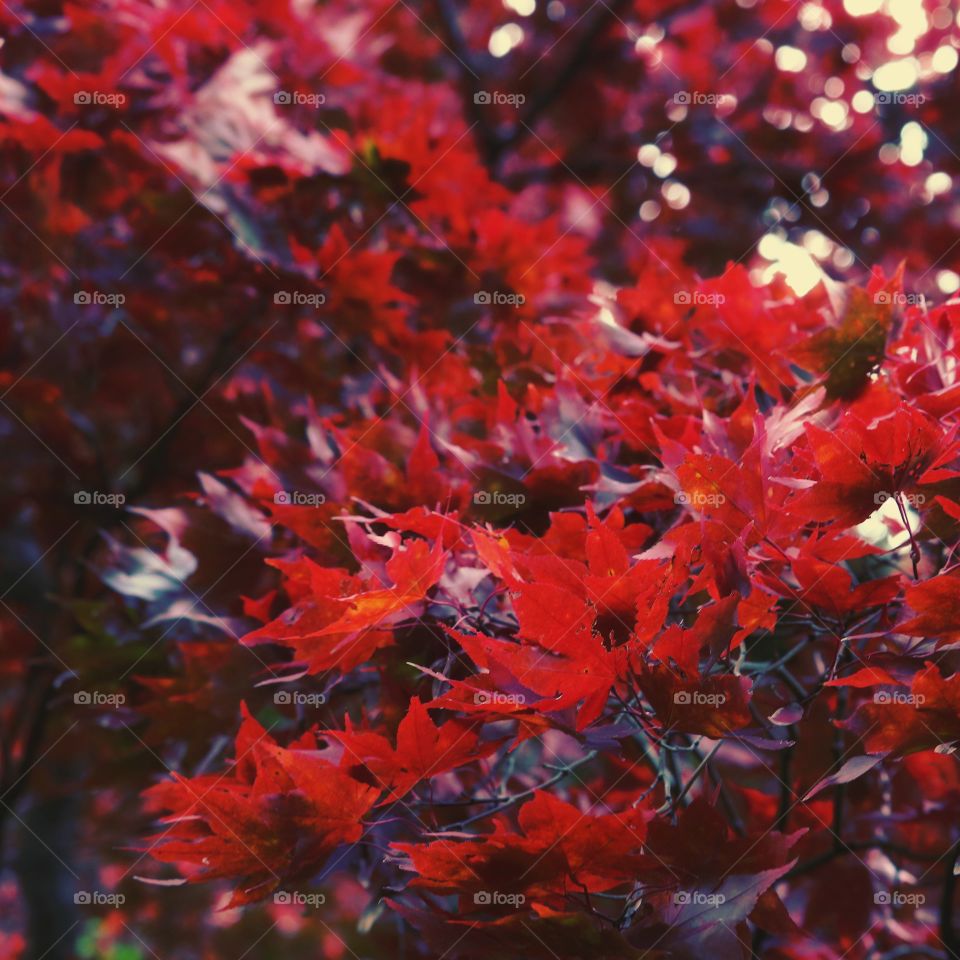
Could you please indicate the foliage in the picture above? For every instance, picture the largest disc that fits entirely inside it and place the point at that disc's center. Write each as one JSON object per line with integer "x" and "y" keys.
{"x": 479, "y": 504}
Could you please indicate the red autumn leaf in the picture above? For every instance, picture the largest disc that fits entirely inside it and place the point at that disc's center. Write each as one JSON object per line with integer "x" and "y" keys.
{"x": 936, "y": 603}
{"x": 333, "y": 629}
{"x": 898, "y": 723}
{"x": 278, "y": 818}
{"x": 423, "y": 750}
{"x": 713, "y": 880}
{"x": 579, "y": 677}
{"x": 557, "y": 848}
{"x": 879, "y": 451}
{"x": 551, "y": 616}
{"x": 865, "y": 677}
{"x": 853, "y": 348}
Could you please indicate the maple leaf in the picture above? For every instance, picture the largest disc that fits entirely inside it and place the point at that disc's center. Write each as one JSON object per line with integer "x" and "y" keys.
{"x": 552, "y": 616}
{"x": 558, "y": 848}
{"x": 936, "y": 603}
{"x": 413, "y": 570}
{"x": 732, "y": 494}
{"x": 878, "y": 450}
{"x": 682, "y": 697}
{"x": 579, "y": 676}
{"x": 423, "y": 750}
{"x": 713, "y": 706}
{"x": 277, "y": 818}
{"x": 847, "y": 353}
{"x": 720, "y": 878}
{"x": 829, "y": 587}
{"x": 332, "y": 627}
{"x": 480, "y": 697}
{"x": 897, "y": 724}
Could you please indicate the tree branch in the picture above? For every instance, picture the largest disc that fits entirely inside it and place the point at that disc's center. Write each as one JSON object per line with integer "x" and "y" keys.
{"x": 561, "y": 78}
{"x": 470, "y": 80}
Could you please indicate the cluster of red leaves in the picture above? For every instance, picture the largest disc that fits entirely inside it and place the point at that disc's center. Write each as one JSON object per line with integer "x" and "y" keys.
{"x": 619, "y": 669}
{"x": 556, "y": 601}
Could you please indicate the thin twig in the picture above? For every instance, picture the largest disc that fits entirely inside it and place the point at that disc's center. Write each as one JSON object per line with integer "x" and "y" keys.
{"x": 517, "y": 797}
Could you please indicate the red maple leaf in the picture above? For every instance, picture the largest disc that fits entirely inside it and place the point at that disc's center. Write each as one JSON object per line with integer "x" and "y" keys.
{"x": 423, "y": 750}
{"x": 277, "y": 817}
